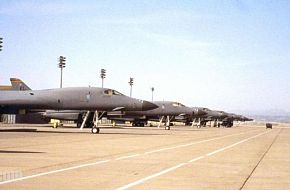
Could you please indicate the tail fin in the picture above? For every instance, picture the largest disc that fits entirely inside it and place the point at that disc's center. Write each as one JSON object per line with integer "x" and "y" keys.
{"x": 18, "y": 84}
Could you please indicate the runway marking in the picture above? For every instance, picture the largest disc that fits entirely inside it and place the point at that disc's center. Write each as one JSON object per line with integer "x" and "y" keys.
{"x": 235, "y": 144}
{"x": 195, "y": 159}
{"x": 120, "y": 158}
{"x": 55, "y": 171}
{"x": 125, "y": 157}
{"x": 185, "y": 163}
{"x": 150, "y": 177}
{"x": 194, "y": 143}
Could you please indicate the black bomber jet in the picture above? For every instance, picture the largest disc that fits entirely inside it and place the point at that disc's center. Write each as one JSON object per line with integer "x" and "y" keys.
{"x": 210, "y": 115}
{"x": 166, "y": 112}
{"x": 89, "y": 99}
{"x": 228, "y": 121}
{"x": 221, "y": 118}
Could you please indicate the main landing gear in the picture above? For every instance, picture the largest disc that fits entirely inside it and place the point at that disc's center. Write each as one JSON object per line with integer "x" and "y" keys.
{"x": 94, "y": 124}
{"x": 95, "y": 130}
{"x": 167, "y": 124}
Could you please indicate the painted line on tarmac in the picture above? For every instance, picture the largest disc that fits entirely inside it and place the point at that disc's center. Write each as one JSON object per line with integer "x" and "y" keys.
{"x": 194, "y": 143}
{"x": 195, "y": 159}
{"x": 55, "y": 171}
{"x": 116, "y": 159}
{"x": 235, "y": 144}
{"x": 186, "y": 163}
{"x": 152, "y": 176}
{"x": 126, "y": 157}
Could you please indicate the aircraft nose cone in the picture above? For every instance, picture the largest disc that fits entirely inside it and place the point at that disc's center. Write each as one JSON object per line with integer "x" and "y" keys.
{"x": 148, "y": 106}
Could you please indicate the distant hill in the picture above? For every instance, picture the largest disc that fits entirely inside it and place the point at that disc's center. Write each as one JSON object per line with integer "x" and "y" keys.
{"x": 271, "y": 115}
{"x": 273, "y": 118}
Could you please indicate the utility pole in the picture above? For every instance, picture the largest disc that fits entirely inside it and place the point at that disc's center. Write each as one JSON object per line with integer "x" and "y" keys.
{"x": 1, "y": 41}
{"x": 61, "y": 65}
{"x": 103, "y": 75}
{"x": 152, "y": 90}
{"x": 131, "y": 81}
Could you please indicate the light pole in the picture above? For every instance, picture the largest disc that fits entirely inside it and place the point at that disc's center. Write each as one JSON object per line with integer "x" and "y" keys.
{"x": 131, "y": 81}
{"x": 1, "y": 41}
{"x": 152, "y": 89}
{"x": 61, "y": 65}
{"x": 103, "y": 75}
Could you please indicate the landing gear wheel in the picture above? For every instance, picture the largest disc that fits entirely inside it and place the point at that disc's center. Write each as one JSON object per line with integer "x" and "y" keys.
{"x": 167, "y": 128}
{"x": 95, "y": 130}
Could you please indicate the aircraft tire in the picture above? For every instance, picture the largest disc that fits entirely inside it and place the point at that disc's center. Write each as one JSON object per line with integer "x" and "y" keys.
{"x": 95, "y": 130}
{"x": 167, "y": 128}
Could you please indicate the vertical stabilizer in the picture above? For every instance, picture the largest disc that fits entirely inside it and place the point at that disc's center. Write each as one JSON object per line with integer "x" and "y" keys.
{"x": 18, "y": 84}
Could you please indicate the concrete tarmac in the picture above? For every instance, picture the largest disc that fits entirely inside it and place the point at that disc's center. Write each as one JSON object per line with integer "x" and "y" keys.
{"x": 243, "y": 157}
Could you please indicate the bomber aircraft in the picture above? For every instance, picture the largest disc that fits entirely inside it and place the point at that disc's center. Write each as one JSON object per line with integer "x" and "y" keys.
{"x": 167, "y": 111}
{"x": 221, "y": 118}
{"x": 228, "y": 121}
{"x": 211, "y": 115}
{"x": 89, "y": 99}
{"x": 165, "y": 114}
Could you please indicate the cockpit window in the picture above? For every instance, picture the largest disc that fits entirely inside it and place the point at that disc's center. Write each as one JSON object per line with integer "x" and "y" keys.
{"x": 177, "y": 104}
{"x": 108, "y": 92}
{"x": 111, "y": 92}
{"x": 117, "y": 93}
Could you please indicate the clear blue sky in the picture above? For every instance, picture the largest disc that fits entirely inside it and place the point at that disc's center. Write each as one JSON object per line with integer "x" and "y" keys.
{"x": 229, "y": 55}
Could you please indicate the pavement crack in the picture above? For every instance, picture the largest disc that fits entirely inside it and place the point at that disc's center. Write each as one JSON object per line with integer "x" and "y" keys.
{"x": 258, "y": 163}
